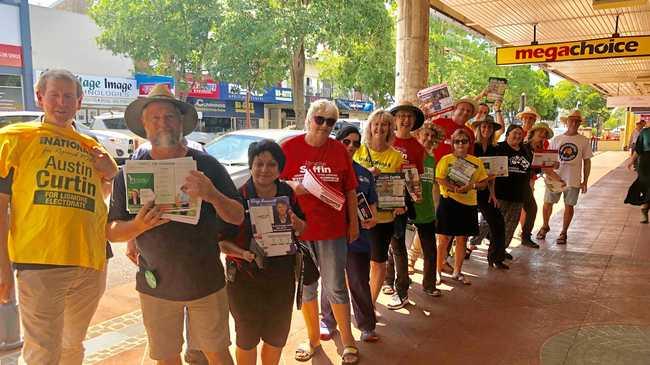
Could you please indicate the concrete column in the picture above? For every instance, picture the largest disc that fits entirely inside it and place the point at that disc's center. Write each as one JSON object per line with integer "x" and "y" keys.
{"x": 412, "y": 51}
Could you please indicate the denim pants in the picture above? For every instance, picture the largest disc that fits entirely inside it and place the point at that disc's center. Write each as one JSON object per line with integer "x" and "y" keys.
{"x": 330, "y": 256}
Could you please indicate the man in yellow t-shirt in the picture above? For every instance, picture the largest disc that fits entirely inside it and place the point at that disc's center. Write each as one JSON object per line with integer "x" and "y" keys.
{"x": 54, "y": 233}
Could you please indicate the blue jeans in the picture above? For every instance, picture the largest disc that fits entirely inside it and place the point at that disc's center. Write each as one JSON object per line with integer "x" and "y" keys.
{"x": 330, "y": 257}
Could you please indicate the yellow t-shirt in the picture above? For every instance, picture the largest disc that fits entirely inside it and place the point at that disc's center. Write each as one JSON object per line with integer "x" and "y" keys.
{"x": 442, "y": 170}
{"x": 388, "y": 161}
{"x": 58, "y": 213}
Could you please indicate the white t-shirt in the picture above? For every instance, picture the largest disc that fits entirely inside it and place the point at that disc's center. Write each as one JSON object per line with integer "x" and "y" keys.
{"x": 572, "y": 150}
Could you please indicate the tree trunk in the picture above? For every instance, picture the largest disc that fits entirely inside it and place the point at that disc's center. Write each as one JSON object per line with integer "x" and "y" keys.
{"x": 248, "y": 109}
{"x": 298, "y": 84}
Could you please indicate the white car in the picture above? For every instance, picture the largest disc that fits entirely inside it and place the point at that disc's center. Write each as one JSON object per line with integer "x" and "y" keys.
{"x": 231, "y": 149}
{"x": 118, "y": 145}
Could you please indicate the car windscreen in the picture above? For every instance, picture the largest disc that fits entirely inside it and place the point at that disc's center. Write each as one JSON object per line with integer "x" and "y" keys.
{"x": 232, "y": 149}
{"x": 115, "y": 123}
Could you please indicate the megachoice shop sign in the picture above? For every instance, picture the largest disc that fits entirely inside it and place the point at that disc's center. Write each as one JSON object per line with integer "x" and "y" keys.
{"x": 591, "y": 49}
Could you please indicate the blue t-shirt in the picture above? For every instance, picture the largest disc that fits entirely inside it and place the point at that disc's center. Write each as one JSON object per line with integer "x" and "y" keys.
{"x": 366, "y": 185}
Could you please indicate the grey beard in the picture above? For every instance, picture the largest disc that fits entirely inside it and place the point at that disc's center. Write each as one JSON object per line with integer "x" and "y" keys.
{"x": 165, "y": 140}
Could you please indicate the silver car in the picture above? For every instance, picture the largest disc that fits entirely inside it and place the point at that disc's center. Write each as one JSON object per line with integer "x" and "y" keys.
{"x": 231, "y": 149}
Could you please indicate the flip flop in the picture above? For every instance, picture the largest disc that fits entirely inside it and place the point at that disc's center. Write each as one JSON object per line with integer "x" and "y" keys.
{"x": 561, "y": 239}
{"x": 350, "y": 355}
{"x": 305, "y": 352}
{"x": 461, "y": 278}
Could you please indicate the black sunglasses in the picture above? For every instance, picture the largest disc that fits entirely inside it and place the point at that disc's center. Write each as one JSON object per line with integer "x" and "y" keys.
{"x": 347, "y": 142}
{"x": 320, "y": 120}
{"x": 461, "y": 141}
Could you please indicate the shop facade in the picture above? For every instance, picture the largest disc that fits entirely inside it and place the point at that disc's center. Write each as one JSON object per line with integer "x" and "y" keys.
{"x": 16, "y": 82}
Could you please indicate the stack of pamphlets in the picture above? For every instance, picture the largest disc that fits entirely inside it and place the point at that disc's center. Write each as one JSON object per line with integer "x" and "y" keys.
{"x": 460, "y": 173}
{"x": 545, "y": 159}
{"x": 496, "y": 88}
{"x": 320, "y": 190}
{"x": 555, "y": 186}
{"x": 412, "y": 181}
{"x": 435, "y": 100}
{"x": 390, "y": 191}
{"x": 162, "y": 181}
{"x": 271, "y": 226}
{"x": 496, "y": 165}
{"x": 363, "y": 208}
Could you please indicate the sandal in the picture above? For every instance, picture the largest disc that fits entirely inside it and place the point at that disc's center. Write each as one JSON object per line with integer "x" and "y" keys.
{"x": 387, "y": 290}
{"x": 350, "y": 355}
{"x": 561, "y": 239}
{"x": 305, "y": 352}
{"x": 460, "y": 277}
{"x": 541, "y": 235}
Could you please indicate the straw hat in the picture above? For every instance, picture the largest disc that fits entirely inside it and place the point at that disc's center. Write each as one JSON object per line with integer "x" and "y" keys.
{"x": 528, "y": 110}
{"x": 574, "y": 114}
{"x": 160, "y": 92}
{"x": 470, "y": 101}
{"x": 541, "y": 125}
{"x": 408, "y": 106}
{"x": 486, "y": 119}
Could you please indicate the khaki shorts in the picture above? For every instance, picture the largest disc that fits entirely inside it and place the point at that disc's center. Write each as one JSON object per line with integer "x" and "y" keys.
{"x": 571, "y": 195}
{"x": 208, "y": 324}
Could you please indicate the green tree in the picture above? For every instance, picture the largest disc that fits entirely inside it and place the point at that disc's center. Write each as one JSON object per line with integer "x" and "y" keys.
{"x": 585, "y": 98}
{"x": 169, "y": 37}
{"x": 246, "y": 51}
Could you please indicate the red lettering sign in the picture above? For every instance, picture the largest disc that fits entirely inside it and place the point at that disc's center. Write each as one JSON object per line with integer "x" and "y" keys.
{"x": 208, "y": 89}
{"x": 11, "y": 56}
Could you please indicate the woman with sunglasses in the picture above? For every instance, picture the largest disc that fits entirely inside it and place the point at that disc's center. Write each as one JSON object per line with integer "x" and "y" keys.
{"x": 358, "y": 265}
{"x": 486, "y": 145}
{"x": 459, "y": 175}
{"x": 377, "y": 155}
{"x": 328, "y": 228}
{"x": 511, "y": 190}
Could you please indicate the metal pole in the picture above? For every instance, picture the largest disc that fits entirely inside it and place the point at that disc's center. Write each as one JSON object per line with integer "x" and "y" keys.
{"x": 10, "y": 325}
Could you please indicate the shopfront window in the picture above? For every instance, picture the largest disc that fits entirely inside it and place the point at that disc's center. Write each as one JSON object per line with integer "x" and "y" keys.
{"x": 11, "y": 93}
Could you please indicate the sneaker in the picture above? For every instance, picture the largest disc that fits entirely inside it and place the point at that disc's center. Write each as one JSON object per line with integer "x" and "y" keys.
{"x": 528, "y": 242}
{"x": 397, "y": 302}
{"x": 433, "y": 292}
{"x": 369, "y": 336}
{"x": 388, "y": 290}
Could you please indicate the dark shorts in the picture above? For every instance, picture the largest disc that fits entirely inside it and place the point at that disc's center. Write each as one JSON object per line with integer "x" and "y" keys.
{"x": 262, "y": 303}
{"x": 456, "y": 219}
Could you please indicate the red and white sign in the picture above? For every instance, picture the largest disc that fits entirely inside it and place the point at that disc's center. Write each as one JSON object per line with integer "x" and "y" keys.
{"x": 208, "y": 89}
{"x": 645, "y": 118}
{"x": 11, "y": 55}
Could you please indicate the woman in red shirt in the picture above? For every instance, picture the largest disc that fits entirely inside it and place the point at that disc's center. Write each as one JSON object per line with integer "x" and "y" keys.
{"x": 329, "y": 227}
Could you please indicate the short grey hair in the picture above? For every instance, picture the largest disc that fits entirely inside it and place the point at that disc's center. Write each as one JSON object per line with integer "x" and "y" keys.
{"x": 58, "y": 74}
{"x": 382, "y": 115}
{"x": 321, "y": 106}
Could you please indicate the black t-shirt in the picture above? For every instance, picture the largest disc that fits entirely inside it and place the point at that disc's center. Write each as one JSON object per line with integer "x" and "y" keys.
{"x": 513, "y": 187}
{"x": 184, "y": 258}
{"x": 490, "y": 151}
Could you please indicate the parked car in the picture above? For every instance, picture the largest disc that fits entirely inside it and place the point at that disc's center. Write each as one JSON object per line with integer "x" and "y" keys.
{"x": 342, "y": 123}
{"x": 118, "y": 145}
{"x": 231, "y": 149}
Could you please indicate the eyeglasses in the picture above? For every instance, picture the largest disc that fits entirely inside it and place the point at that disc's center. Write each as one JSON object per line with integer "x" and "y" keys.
{"x": 320, "y": 120}
{"x": 347, "y": 142}
{"x": 461, "y": 141}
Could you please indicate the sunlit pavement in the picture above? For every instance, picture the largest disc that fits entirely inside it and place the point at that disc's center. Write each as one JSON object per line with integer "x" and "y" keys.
{"x": 586, "y": 302}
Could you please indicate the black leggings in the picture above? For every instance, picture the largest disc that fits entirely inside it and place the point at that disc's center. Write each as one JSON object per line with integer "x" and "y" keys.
{"x": 427, "y": 235}
{"x": 494, "y": 218}
{"x": 530, "y": 208}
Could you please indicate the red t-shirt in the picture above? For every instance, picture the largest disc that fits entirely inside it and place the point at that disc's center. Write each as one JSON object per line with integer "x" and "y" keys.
{"x": 334, "y": 168}
{"x": 412, "y": 150}
{"x": 445, "y": 147}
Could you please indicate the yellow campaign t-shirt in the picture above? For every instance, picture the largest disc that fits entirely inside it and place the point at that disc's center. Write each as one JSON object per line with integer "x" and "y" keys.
{"x": 442, "y": 170}
{"x": 58, "y": 213}
{"x": 388, "y": 161}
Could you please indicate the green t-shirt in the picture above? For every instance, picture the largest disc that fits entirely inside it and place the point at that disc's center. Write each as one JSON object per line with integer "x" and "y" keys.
{"x": 425, "y": 211}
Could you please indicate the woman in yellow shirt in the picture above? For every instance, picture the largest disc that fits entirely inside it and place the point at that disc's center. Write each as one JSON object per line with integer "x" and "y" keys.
{"x": 459, "y": 176}
{"x": 377, "y": 155}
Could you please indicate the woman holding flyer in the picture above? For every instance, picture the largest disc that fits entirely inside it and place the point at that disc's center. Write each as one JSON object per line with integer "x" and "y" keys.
{"x": 358, "y": 265}
{"x": 385, "y": 163}
{"x": 511, "y": 190}
{"x": 271, "y": 275}
{"x": 459, "y": 175}
{"x": 486, "y": 140}
{"x": 321, "y": 173}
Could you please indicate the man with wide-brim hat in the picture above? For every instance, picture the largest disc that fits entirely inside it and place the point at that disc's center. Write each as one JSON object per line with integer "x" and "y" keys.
{"x": 574, "y": 153}
{"x": 528, "y": 117}
{"x": 465, "y": 109}
{"x": 179, "y": 264}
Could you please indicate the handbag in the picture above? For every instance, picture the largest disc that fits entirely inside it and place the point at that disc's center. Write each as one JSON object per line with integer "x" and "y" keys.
{"x": 306, "y": 270}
